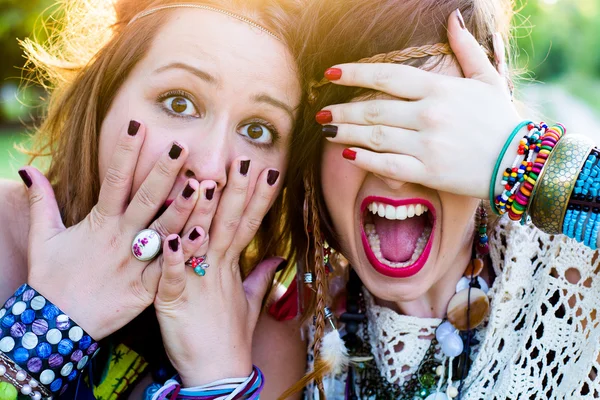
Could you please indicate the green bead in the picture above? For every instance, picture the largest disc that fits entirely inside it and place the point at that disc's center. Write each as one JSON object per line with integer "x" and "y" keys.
{"x": 427, "y": 380}
{"x": 200, "y": 271}
{"x": 423, "y": 392}
{"x": 8, "y": 391}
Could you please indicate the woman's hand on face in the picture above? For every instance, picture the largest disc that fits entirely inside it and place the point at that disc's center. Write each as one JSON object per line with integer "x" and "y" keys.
{"x": 88, "y": 270}
{"x": 207, "y": 322}
{"x": 440, "y": 131}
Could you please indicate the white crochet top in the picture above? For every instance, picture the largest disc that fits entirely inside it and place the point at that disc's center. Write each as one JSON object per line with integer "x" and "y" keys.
{"x": 542, "y": 336}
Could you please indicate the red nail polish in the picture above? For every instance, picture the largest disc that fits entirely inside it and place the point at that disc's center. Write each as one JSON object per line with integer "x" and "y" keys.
{"x": 324, "y": 117}
{"x": 349, "y": 154}
{"x": 333, "y": 74}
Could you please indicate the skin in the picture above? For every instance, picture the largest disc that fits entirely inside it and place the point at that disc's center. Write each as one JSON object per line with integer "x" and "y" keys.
{"x": 238, "y": 86}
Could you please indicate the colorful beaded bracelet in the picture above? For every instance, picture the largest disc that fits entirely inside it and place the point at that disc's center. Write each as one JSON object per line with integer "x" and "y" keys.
{"x": 225, "y": 389}
{"x": 499, "y": 161}
{"x": 43, "y": 340}
{"x": 17, "y": 380}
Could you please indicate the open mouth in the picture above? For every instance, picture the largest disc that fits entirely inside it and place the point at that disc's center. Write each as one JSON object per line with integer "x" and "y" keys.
{"x": 397, "y": 235}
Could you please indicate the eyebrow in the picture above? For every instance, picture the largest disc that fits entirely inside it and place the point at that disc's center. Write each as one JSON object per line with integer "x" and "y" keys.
{"x": 265, "y": 98}
{"x": 205, "y": 76}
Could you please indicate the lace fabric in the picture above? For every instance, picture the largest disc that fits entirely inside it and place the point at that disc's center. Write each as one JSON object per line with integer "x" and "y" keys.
{"x": 542, "y": 337}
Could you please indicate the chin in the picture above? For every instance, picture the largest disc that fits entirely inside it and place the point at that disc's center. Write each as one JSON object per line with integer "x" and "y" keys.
{"x": 397, "y": 235}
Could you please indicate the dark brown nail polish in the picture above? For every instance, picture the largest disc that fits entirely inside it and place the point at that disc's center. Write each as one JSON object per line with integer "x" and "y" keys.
{"x": 461, "y": 21}
{"x": 188, "y": 191}
{"x": 194, "y": 235}
{"x": 282, "y": 266}
{"x": 244, "y": 167}
{"x": 175, "y": 151}
{"x": 26, "y": 178}
{"x": 210, "y": 192}
{"x": 272, "y": 176}
{"x": 330, "y": 131}
{"x": 134, "y": 126}
{"x": 174, "y": 245}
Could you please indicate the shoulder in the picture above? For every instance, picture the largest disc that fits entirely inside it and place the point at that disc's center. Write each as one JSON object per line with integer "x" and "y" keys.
{"x": 14, "y": 231}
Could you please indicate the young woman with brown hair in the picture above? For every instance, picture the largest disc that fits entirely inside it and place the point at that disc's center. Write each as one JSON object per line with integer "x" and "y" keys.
{"x": 392, "y": 174}
{"x": 172, "y": 116}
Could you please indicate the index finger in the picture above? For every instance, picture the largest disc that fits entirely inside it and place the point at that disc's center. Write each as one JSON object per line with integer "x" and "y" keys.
{"x": 116, "y": 186}
{"x": 395, "y": 79}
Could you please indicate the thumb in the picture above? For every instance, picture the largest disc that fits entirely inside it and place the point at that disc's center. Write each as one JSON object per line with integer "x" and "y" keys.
{"x": 259, "y": 281}
{"x": 44, "y": 216}
{"x": 173, "y": 279}
{"x": 471, "y": 57}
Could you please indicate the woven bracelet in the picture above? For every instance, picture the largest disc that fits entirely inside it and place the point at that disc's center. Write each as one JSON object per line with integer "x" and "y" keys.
{"x": 44, "y": 341}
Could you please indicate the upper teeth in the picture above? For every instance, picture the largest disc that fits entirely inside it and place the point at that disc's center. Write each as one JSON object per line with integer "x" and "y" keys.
{"x": 399, "y": 212}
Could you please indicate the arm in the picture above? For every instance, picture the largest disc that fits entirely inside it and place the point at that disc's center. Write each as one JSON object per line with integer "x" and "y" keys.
{"x": 280, "y": 352}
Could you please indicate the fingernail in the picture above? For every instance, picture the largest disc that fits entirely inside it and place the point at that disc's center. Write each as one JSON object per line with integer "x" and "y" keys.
{"x": 282, "y": 266}
{"x": 210, "y": 192}
{"x": 175, "y": 151}
{"x": 174, "y": 245}
{"x": 244, "y": 167}
{"x": 333, "y": 74}
{"x": 330, "y": 131}
{"x": 134, "y": 126}
{"x": 188, "y": 191}
{"x": 324, "y": 117}
{"x": 26, "y": 178}
{"x": 461, "y": 21}
{"x": 349, "y": 154}
{"x": 194, "y": 235}
{"x": 272, "y": 176}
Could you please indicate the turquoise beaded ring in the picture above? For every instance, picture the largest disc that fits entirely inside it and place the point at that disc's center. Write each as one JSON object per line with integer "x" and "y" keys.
{"x": 199, "y": 265}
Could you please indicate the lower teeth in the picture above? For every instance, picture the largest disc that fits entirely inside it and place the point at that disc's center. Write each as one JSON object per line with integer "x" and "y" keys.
{"x": 374, "y": 243}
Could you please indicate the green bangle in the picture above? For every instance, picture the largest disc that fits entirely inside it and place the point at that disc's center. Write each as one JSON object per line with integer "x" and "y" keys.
{"x": 499, "y": 161}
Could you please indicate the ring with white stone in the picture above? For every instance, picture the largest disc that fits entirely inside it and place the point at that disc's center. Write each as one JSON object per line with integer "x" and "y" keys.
{"x": 146, "y": 245}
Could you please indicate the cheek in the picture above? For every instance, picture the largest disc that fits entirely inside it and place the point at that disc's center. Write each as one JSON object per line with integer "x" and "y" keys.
{"x": 341, "y": 183}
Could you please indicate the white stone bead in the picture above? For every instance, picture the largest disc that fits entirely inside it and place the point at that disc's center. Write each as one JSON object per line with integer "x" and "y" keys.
{"x": 483, "y": 284}
{"x": 452, "y": 345}
{"x": 36, "y": 396}
{"x": 47, "y": 376}
{"x": 26, "y": 390}
{"x": 462, "y": 284}
{"x": 21, "y": 376}
{"x": 2, "y": 370}
{"x": 444, "y": 330}
{"x": 7, "y": 344}
{"x": 440, "y": 370}
{"x": 19, "y": 307}
{"x": 437, "y": 396}
{"x": 33, "y": 383}
{"x": 452, "y": 392}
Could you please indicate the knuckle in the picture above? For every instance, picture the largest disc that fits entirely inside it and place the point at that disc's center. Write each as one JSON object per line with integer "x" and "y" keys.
{"x": 146, "y": 197}
{"x": 253, "y": 224}
{"x": 159, "y": 226}
{"x": 377, "y": 137}
{"x": 373, "y": 112}
{"x": 391, "y": 166}
{"x": 430, "y": 116}
{"x": 381, "y": 77}
{"x": 115, "y": 178}
{"x": 163, "y": 168}
{"x": 231, "y": 224}
{"x": 126, "y": 146}
{"x": 35, "y": 198}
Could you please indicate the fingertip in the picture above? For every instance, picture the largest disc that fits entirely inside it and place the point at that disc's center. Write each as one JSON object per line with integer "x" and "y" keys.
{"x": 173, "y": 243}
{"x": 25, "y": 177}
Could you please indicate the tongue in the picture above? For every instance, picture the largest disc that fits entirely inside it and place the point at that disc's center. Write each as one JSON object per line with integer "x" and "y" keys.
{"x": 398, "y": 238}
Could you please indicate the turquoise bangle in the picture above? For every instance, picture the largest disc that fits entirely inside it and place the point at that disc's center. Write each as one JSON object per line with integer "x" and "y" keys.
{"x": 499, "y": 161}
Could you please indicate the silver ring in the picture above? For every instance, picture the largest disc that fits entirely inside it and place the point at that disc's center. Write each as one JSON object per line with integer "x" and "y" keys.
{"x": 199, "y": 264}
{"x": 146, "y": 245}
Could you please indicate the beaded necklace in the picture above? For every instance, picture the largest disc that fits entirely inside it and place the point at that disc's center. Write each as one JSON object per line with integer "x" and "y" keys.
{"x": 426, "y": 382}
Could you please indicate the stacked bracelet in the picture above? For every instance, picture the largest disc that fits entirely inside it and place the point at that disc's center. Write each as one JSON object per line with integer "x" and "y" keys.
{"x": 42, "y": 340}
{"x": 225, "y": 389}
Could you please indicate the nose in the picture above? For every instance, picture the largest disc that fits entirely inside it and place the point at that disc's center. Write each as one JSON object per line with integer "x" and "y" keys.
{"x": 209, "y": 156}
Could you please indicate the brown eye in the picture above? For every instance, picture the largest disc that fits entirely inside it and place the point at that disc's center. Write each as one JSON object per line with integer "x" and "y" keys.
{"x": 179, "y": 105}
{"x": 255, "y": 131}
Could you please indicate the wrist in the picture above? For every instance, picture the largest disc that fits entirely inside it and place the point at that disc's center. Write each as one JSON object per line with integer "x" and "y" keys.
{"x": 214, "y": 371}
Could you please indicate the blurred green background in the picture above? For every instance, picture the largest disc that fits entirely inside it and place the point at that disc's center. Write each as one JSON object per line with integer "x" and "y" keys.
{"x": 556, "y": 43}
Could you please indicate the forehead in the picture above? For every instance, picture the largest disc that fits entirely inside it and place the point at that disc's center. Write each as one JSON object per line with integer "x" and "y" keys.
{"x": 224, "y": 47}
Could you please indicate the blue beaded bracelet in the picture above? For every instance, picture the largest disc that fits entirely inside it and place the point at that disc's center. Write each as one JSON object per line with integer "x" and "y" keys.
{"x": 43, "y": 340}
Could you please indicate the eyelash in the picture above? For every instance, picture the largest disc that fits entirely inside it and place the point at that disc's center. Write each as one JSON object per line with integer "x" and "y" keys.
{"x": 188, "y": 96}
{"x": 177, "y": 93}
